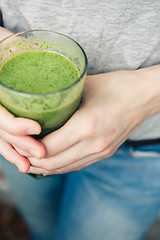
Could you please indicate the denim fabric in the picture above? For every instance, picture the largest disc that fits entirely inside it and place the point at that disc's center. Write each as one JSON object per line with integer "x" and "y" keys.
{"x": 116, "y": 198}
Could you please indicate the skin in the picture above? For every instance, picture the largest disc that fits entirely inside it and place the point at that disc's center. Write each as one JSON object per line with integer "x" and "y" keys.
{"x": 114, "y": 105}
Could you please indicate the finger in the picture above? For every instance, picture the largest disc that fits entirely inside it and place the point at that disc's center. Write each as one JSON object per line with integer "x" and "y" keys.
{"x": 8, "y": 152}
{"x": 87, "y": 148}
{"x": 36, "y": 170}
{"x": 91, "y": 158}
{"x": 68, "y": 135}
{"x": 78, "y": 165}
{"x": 21, "y": 152}
{"x": 61, "y": 139}
{"x": 17, "y": 126}
{"x": 73, "y": 158}
{"x": 25, "y": 143}
{"x": 85, "y": 162}
{"x": 70, "y": 155}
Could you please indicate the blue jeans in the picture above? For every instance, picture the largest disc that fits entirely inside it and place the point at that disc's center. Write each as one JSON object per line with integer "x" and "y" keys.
{"x": 116, "y": 198}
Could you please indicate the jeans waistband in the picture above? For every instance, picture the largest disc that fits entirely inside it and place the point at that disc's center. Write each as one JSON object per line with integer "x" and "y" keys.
{"x": 139, "y": 143}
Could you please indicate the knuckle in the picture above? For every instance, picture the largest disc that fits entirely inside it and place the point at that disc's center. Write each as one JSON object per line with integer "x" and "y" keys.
{"x": 12, "y": 130}
{"x": 46, "y": 166}
{"x": 90, "y": 126}
{"x": 50, "y": 165}
{"x": 101, "y": 145}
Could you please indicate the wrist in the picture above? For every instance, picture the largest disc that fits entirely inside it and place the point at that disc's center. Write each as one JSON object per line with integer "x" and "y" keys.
{"x": 150, "y": 78}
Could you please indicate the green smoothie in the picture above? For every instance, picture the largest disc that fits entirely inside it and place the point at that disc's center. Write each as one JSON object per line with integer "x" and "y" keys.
{"x": 38, "y": 72}
{"x": 40, "y": 78}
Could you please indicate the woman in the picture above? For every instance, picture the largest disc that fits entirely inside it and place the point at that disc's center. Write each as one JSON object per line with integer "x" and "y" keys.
{"x": 116, "y": 192}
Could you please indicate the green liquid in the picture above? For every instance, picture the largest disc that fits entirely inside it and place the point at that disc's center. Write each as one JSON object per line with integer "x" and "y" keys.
{"x": 38, "y": 72}
{"x": 41, "y": 72}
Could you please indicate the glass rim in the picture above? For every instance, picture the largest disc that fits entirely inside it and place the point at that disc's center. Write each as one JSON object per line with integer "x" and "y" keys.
{"x": 54, "y": 92}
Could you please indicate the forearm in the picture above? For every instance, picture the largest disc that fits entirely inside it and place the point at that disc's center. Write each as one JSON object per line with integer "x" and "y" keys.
{"x": 4, "y": 33}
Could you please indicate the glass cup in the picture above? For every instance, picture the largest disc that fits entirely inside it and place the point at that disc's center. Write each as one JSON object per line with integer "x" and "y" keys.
{"x": 52, "y": 109}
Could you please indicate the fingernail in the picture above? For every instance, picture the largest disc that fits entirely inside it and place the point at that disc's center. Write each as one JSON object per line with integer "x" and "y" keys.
{"x": 31, "y": 131}
{"x": 34, "y": 153}
{"x": 20, "y": 168}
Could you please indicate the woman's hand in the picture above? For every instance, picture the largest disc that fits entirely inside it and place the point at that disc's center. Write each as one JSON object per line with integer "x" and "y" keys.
{"x": 114, "y": 105}
{"x": 15, "y": 142}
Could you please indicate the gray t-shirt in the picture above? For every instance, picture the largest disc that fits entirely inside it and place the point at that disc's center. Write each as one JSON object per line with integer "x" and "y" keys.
{"x": 116, "y": 34}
